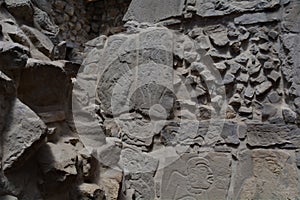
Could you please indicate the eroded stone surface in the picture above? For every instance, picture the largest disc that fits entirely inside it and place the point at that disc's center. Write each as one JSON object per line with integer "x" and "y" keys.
{"x": 259, "y": 171}
{"x": 219, "y": 8}
{"x": 196, "y": 177}
{"x": 271, "y": 134}
{"x": 138, "y": 10}
{"x": 24, "y": 132}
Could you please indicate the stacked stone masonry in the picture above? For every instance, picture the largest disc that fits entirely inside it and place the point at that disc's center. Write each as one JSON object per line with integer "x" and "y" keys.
{"x": 149, "y": 99}
{"x": 80, "y": 21}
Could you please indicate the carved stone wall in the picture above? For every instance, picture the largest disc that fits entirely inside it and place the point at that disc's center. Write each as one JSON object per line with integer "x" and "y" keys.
{"x": 189, "y": 99}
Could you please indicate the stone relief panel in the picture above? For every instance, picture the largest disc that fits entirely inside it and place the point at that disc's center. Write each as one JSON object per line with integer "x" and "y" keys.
{"x": 193, "y": 176}
{"x": 261, "y": 174}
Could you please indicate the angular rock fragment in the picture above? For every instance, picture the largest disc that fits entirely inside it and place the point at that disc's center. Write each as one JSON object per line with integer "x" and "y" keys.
{"x": 205, "y": 112}
{"x": 229, "y": 133}
{"x": 109, "y": 154}
{"x": 289, "y": 116}
{"x": 228, "y": 79}
{"x": 218, "y": 35}
{"x": 219, "y": 39}
{"x": 22, "y": 9}
{"x": 249, "y": 92}
{"x": 245, "y": 110}
{"x": 38, "y": 75}
{"x": 203, "y": 42}
{"x": 90, "y": 191}
{"x": 274, "y": 97}
{"x": 221, "y": 66}
{"x": 274, "y": 76}
{"x": 63, "y": 160}
{"x": 39, "y": 40}
{"x": 111, "y": 181}
{"x": 23, "y": 134}
{"x": 43, "y": 22}
{"x": 13, "y": 55}
{"x": 262, "y": 88}
{"x": 269, "y": 111}
{"x": 7, "y": 97}
{"x": 243, "y": 78}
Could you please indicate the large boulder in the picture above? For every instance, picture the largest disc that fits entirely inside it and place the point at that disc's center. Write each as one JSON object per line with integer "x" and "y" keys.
{"x": 58, "y": 164}
{"x": 39, "y": 40}
{"x": 22, "y": 9}
{"x": 23, "y": 133}
{"x": 13, "y": 55}
{"x": 44, "y": 86}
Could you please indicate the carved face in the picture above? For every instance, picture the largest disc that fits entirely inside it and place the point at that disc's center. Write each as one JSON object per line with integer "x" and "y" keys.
{"x": 266, "y": 167}
{"x": 200, "y": 176}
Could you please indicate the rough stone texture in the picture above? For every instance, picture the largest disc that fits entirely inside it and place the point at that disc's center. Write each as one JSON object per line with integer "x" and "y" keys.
{"x": 90, "y": 191}
{"x": 260, "y": 171}
{"x": 271, "y": 134}
{"x": 24, "y": 130}
{"x": 13, "y": 55}
{"x": 219, "y": 8}
{"x": 197, "y": 177}
{"x": 184, "y": 99}
{"x": 138, "y": 10}
{"x": 39, "y": 40}
{"x": 22, "y": 9}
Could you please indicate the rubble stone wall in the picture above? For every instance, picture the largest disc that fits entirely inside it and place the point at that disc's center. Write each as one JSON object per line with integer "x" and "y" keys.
{"x": 80, "y": 21}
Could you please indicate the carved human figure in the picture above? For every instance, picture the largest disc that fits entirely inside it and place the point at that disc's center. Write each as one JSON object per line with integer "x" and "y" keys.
{"x": 191, "y": 184}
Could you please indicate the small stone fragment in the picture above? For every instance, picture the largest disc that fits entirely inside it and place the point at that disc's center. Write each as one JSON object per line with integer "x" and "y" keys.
{"x": 289, "y": 116}
{"x": 264, "y": 87}
{"x": 90, "y": 191}
{"x": 274, "y": 76}
{"x": 274, "y": 97}
{"x": 203, "y": 42}
{"x": 249, "y": 92}
{"x": 242, "y": 131}
{"x": 220, "y": 39}
{"x": 228, "y": 79}
{"x": 245, "y": 110}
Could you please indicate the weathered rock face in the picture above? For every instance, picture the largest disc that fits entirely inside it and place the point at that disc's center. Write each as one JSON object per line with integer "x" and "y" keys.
{"x": 23, "y": 130}
{"x": 184, "y": 99}
{"x": 266, "y": 169}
